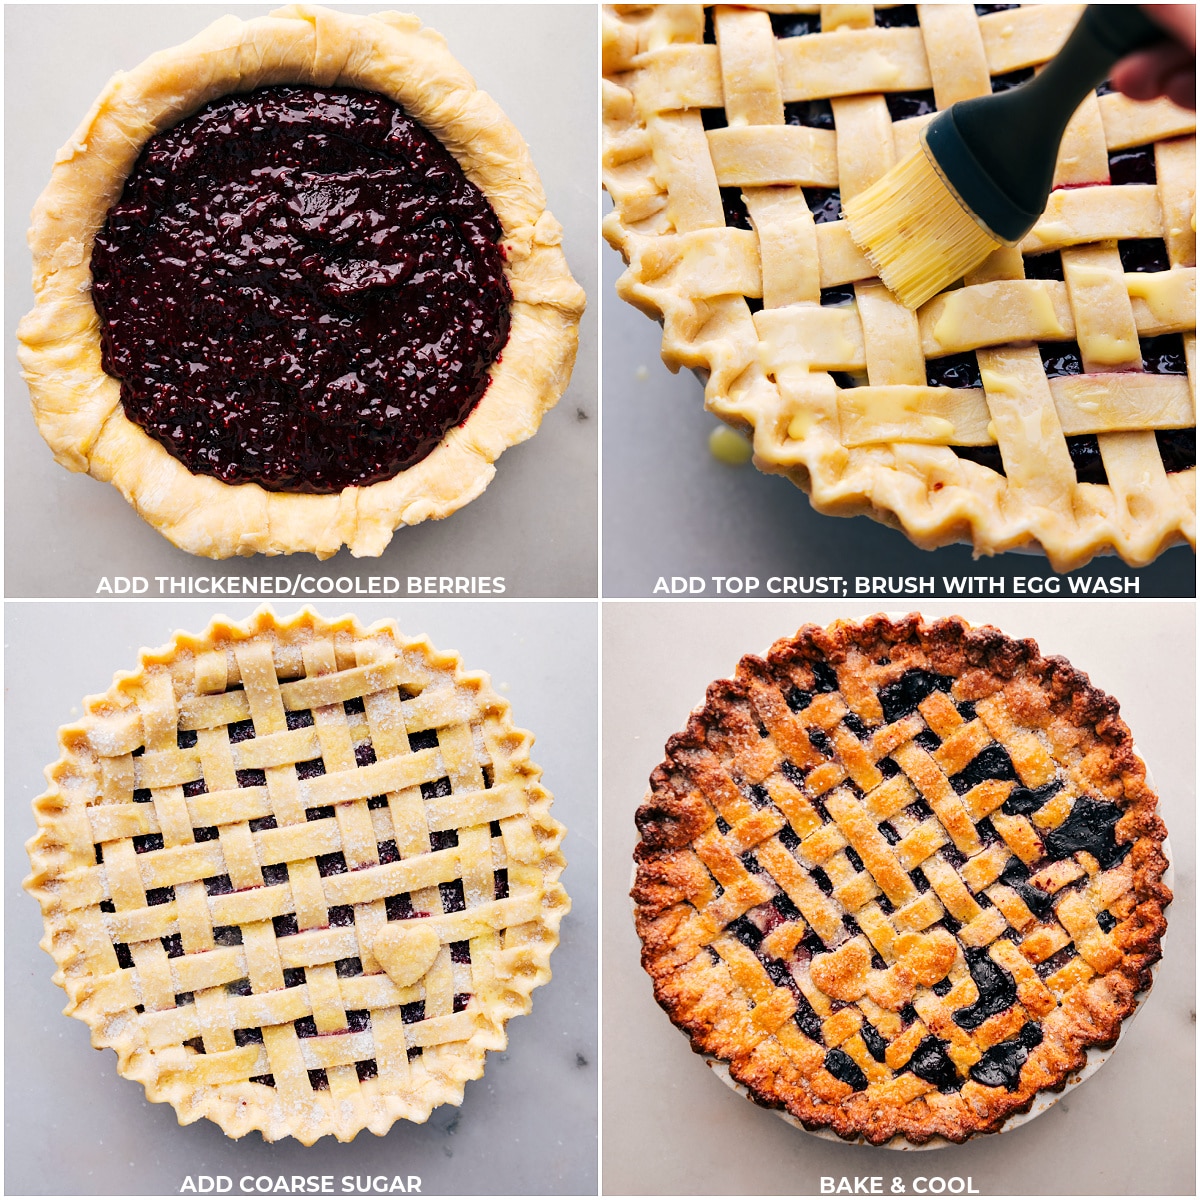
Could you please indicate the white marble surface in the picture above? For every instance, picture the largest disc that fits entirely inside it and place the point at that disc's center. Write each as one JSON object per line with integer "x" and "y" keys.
{"x": 671, "y": 1128}
{"x": 74, "y": 1127}
{"x": 535, "y": 524}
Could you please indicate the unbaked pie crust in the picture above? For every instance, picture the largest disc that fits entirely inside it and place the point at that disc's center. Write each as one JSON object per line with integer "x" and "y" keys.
{"x": 742, "y": 306}
{"x": 298, "y": 874}
{"x": 78, "y": 407}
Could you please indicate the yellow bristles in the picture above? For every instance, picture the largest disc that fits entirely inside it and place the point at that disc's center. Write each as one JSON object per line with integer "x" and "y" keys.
{"x": 916, "y": 231}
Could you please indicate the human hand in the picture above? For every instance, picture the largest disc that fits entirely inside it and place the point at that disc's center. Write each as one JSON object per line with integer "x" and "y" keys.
{"x": 1167, "y": 69}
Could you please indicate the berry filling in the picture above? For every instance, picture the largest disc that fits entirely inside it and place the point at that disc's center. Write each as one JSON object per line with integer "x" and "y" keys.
{"x": 901, "y": 698}
{"x": 1023, "y": 801}
{"x": 1091, "y": 825}
{"x": 931, "y": 1063}
{"x": 997, "y": 989}
{"x": 841, "y": 1066}
{"x": 1001, "y": 1065}
{"x": 299, "y": 288}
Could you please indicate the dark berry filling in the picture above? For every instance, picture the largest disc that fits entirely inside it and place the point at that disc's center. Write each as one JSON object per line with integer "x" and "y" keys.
{"x": 954, "y": 371}
{"x": 807, "y": 1019}
{"x": 820, "y": 740}
{"x": 824, "y": 678}
{"x": 1056, "y": 962}
{"x": 928, "y": 740}
{"x": 1061, "y": 358}
{"x": 747, "y": 933}
{"x": 758, "y": 795}
{"x": 834, "y": 297}
{"x": 902, "y": 105}
{"x": 997, "y": 989}
{"x": 1177, "y": 447}
{"x": 1023, "y": 801}
{"x": 1134, "y": 165}
{"x": 856, "y": 725}
{"x": 1164, "y": 355}
{"x": 1087, "y": 459}
{"x": 897, "y": 16}
{"x": 300, "y": 288}
{"x": 874, "y": 1043}
{"x": 816, "y": 114}
{"x": 931, "y": 1063}
{"x": 1091, "y": 826}
{"x": 737, "y": 215}
{"x": 992, "y": 762}
{"x": 825, "y": 204}
{"x": 785, "y": 25}
{"x": 902, "y": 697}
{"x": 1144, "y": 254}
{"x": 1045, "y": 266}
{"x": 1003, "y": 83}
{"x": 1001, "y": 1065}
{"x": 841, "y": 1066}
{"x": 1016, "y": 876}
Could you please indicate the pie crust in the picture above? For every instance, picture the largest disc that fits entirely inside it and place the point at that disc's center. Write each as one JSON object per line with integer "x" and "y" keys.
{"x": 77, "y": 406}
{"x": 717, "y": 153}
{"x": 900, "y": 876}
{"x": 298, "y": 874}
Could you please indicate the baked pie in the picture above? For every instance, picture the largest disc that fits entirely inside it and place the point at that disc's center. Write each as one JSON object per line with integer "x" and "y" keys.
{"x": 900, "y": 876}
{"x": 296, "y": 285}
{"x": 1047, "y": 400}
{"x": 298, "y": 874}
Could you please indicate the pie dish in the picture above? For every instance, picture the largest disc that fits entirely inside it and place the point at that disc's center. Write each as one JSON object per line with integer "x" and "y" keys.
{"x": 240, "y": 321}
{"x": 298, "y": 874}
{"x": 899, "y": 876}
{"x": 1048, "y": 401}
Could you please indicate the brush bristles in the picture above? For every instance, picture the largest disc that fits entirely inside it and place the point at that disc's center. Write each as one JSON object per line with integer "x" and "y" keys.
{"x": 916, "y": 231}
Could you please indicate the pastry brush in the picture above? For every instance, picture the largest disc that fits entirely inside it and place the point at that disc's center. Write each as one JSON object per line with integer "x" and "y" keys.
{"x": 983, "y": 171}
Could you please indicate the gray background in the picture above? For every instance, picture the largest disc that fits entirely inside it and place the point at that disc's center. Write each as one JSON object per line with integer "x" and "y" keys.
{"x": 73, "y": 1126}
{"x": 671, "y": 1128}
{"x": 535, "y": 524}
{"x": 670, "y": 508}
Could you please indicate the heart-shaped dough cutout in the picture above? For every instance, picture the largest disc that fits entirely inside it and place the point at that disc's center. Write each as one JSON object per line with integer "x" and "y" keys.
{"x": 926, "y": 957}
{"x": 406, "y": 950}
{"x": 842, "y": 974}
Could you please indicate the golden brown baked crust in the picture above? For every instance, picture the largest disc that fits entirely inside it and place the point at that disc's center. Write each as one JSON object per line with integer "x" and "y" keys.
{"x": 298, "y": 874}
{"x": 715, "y": 184}
{"x": 856, "y": 941}
{"x": 77, "y": 406}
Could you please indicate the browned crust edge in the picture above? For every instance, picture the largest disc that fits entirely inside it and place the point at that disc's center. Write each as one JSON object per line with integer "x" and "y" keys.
{"x": 983, "y": 658}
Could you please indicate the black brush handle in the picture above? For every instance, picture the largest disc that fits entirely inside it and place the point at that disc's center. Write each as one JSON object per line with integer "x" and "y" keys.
{"x": 999, "y": 151}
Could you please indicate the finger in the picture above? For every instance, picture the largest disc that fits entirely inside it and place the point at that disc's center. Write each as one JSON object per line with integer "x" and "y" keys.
{"x": 1181, "y": 88}
{"x": 1179, "y": 20}
{"x": 1145, "y": 75}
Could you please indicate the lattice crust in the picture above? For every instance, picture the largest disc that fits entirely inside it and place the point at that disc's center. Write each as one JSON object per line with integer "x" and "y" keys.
{"x": 298, "y": 875}
{"x": 745, "y": 305}
{"x": 900, "y": 876}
